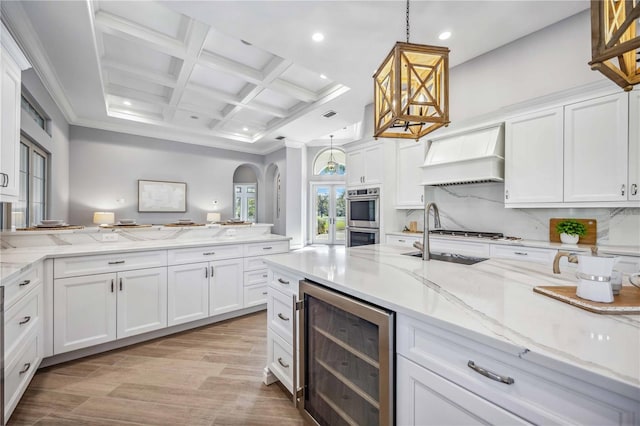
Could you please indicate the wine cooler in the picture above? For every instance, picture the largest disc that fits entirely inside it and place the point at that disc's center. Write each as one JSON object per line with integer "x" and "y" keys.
{"x": 346, "y": 354}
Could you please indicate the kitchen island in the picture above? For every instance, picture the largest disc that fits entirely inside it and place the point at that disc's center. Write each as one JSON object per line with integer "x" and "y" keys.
{"x": 569, "y": 365}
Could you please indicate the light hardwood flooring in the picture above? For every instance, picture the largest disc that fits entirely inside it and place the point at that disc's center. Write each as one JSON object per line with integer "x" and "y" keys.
{"x": 208, "y": 376}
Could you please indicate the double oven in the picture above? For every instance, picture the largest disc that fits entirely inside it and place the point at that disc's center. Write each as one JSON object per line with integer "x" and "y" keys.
{"x": 363, "y": 216}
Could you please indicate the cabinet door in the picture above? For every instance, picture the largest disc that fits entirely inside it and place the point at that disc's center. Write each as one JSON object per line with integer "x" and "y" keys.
{"x": 373, "y": 167}
{"x": 225, "y": 286}
{"x": 534, "y": 158}
{"x": 142, "y": 301}
{"x": 84, "y": 310}
{"x": 595, "y": 149}
{"x": 409, "y": 192}
{"x": 424, "y": 398}
{"x": 634, "y": 146}
{"x": 355, "y": 168}
{"x": 10, "y": 129}
{"x": 188, "y": 292}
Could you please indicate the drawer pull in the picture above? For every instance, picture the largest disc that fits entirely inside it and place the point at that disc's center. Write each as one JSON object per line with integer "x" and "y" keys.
{"x": 521, "y": 253}
{"x": 281, "y": 281}
{"x": 26, "y": 368}
{"x": 116, "y": 262}
{"x": 282, "y": 363}
{"x": 264, "y": 276}
{"x": 402, "y": 241}
{"x": 264, "y": 293}
{"x": 282, "y": 317}
{"x": 267, "y": 248}
{"x": 490, "y": 374}
{"x": 25, "y": 282}
{"x": 25, "y": 320}
{"x": 209, "y": 253}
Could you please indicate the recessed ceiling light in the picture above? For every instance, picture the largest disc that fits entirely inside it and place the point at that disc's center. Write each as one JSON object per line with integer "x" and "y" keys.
{"x": 444, "y": 35}
{"x": 322, "y": 76}
{"x": 127, "y": 103}
{"x": 246, "y": 129}
{"x": 317, "y": 37}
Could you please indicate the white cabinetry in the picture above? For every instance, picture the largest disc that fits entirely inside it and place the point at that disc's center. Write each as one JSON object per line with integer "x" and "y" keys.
{"x": 225, "y": 286}
{"x": 188, "y": 292}
{"x": 465, "y": 248}
{"x": 23, "y": 333}
{"x": 404, "y": 240}
{"x": 596, "y": 149}
{"x": 365, "y": 165}
{"x": 142, "y": 301}
{"x": 530, "y": 254}
{"x": 12, "y": 61}
{"x": 256, "y": 272}
{"x": 534, "y": 158}
{"x": 634, "y": 146}
{"x": 409, "y": 192}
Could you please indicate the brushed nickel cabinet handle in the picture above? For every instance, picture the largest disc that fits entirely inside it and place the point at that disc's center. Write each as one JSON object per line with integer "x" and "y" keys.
{"x": 264, "y": 293}
{"x": 26, "y": 368}
{"x": 117, "y": 262}
{"x": 281, "y": 281}
{"x": 634, "y": 189}
{"x": 521, "y": 253}
{"x": 120, "y": 284}
{"x": 112, "y": 282}
{"x": 282, "y": 363}
{"x": 622, "y": 188}
{"x": 402, "y": 241}
{"x": 490, "y": 374}
{"x": 212, "y": 271}
{"x": 506, "y": 194}
{"x": 25, "y": 320}
{"x": 267, "y": 248}
{"x": 25, "y": 282}
{"x": 206, "y": 272}
{"x": 282, "y": 317}
{"x": 264, "y": 276}
{"x": 209, "y": 253}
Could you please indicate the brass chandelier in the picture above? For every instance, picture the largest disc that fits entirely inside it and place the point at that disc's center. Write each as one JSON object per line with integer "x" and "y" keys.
{"x": 614, "y": 40}
{"x": 332, "y": 166}
{"x": 411, "y": 90}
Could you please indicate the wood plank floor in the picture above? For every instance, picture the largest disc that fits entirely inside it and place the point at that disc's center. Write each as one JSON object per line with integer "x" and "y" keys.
{"x": 207, "y": 376}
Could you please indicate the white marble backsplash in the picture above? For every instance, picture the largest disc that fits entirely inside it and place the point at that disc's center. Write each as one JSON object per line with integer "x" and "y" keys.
{"x": 480, "y": 207}
{"x": 45, "y": 238}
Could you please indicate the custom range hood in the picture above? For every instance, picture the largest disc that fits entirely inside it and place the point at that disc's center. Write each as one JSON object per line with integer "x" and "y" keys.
{"x": 472, "y": 156}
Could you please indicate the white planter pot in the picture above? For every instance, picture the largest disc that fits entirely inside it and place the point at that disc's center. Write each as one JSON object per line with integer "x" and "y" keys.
{"x": 569, "y": 239}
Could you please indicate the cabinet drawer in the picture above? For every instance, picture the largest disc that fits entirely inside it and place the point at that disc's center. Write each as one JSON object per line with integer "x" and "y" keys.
{"x": 459, "y": 247}
{"x": 281, "y": 360}
{"x": 253, "y": 263}
{"x": 20, "y": 319}
{"x": 256, "y": 277}
{"x": 255, "y": 295}
{"x": 398, "y": 240}
{"x": 538, "y": 394}
{"x": 530, "y": 254}
{"x": 18, "y": 374}
{"x": 20, "y": 285}
{"x": 99, "y": 264}
{"x": 202, "y": 254}
{"x": 260, "y": 249}
{"x": 280, "y": 314}
{"x": 284, "y": 282}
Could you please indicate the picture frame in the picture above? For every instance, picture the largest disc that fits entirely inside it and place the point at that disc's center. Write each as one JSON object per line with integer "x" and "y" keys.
{"x": 157, "y": 196}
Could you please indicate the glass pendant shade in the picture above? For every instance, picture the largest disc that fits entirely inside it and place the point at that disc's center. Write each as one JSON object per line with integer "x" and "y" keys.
{"x": 411, "y": 91}
{"x": 615, "y": 39}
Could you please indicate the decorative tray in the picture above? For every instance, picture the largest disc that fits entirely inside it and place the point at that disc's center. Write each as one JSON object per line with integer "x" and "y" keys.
{"x": 50, "y": 228}
{"x": 128, "y": 225}
{"x": 179, "y": 225}
{"x": 626, "y": 303}
{"x": 236, "y": 223}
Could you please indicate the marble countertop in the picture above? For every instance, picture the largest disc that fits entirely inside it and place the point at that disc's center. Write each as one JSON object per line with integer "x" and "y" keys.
{"x": 609, "y": 249}
{"x": 492, "y": 302}
{"x": 14, "y": 261}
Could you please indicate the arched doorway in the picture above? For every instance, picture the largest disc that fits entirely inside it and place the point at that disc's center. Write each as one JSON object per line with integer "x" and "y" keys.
{"x": 245, "y": 194}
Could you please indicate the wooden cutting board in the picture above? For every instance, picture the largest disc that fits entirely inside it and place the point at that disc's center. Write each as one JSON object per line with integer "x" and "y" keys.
{"x": 590, "y": 238}
{"x": 50, "y": 228}
{"x": 626, "y": 303}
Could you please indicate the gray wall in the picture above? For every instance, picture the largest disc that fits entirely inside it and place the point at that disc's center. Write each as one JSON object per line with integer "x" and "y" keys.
{"x": 105, "y": 167}
{"x": 56, "y": 144}
{"x": 275, "y": 163}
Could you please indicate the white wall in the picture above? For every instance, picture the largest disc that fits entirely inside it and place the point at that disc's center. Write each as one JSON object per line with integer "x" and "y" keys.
{"x": 296, "y": 198}
{"x": 105, "y": 167}
{"x": 275, "y": 163}
{"x": 56, "y": 144}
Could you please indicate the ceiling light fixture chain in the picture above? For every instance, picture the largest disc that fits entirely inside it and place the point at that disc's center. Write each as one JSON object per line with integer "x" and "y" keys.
{"x": 407, "y": 21}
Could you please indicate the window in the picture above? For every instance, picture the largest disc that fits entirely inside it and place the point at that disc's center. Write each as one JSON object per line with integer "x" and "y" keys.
{"x": 34, "y": 113}
{"x": 31, "y": 206}
{"x": 245, "y": 202}
{"x": 320, "y": 164}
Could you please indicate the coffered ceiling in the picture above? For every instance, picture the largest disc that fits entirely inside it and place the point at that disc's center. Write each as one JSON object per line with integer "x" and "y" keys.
{"x": 238, "y": 74}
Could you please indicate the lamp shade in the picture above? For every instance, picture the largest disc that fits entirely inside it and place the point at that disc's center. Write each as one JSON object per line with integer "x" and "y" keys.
{"x": 213, "y": 217}
{"x": 104, "y": 218}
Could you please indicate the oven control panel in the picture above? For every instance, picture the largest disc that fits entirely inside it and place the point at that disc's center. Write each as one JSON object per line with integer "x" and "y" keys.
{"x": 363, "y": 192}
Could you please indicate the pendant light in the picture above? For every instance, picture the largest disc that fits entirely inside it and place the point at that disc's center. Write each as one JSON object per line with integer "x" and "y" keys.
{"x": 614, "y": 41}
{"x": 411, "y": 90}
{"x": 332, "y": 166}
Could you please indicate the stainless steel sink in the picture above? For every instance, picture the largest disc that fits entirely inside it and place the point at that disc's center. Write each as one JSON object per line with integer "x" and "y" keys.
{"x": 450, "y": 257}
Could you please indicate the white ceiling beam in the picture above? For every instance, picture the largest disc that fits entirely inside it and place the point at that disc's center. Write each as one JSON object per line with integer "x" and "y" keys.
{"x": 247, "y": 94}
{"x": 234, "y": 100}
{"x": 148, "y": 75}
{"x": 218, "y": 62}
{"x": 294, "y": 90}
{"x": 133, "y": 94}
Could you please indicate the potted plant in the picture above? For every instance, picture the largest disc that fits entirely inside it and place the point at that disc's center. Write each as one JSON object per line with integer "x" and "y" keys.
{"x": 570, "y": 231}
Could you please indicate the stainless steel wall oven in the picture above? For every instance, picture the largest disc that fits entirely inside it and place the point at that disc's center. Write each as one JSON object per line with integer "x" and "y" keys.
{"x": 363, "y": 208}
{"x": 346, "y": 359}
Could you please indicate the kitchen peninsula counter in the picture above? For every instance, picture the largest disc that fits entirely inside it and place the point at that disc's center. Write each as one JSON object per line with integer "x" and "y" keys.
{"x": 491, "y": 302}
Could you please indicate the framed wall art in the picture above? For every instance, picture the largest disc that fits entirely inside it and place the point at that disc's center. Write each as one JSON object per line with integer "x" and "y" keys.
{"x": 155, "y": 196}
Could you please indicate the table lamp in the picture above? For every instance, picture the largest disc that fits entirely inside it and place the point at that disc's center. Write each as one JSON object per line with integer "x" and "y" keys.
{"x": 104, "y": 218}
{"x": 213, "y": 217}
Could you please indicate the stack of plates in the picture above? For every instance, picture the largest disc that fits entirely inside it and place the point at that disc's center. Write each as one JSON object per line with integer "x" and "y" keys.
{"x": 51, "y": 223}
{"x": 127, "y": 222}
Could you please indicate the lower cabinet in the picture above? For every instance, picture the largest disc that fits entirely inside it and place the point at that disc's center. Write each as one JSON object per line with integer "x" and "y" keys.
{"x": 425, "y": 398}
{"x": 225, "y": 286}
{"x": 188, "y": 290}
{"x": 94, "y": 309}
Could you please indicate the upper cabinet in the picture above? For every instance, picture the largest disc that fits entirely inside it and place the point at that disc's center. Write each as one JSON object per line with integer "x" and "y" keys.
{"x": 12, "y": 62}
{"x": 583, "y": 154}
{"x": 365, "y": 165}
{"x": 409, "y": 156}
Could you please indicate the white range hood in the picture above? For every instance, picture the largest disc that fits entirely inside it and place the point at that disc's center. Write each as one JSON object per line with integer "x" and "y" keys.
{"x": 468, "y": 157}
